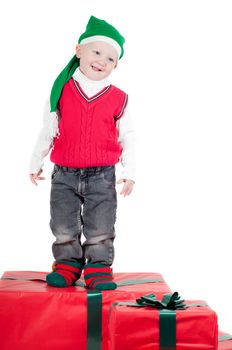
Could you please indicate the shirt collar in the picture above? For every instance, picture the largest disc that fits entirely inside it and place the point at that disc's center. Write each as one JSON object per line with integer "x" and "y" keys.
{"x": 85, "y": 81}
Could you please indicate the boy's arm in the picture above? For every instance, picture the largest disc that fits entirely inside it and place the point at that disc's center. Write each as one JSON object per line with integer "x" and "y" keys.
{"x": 127, "y": 139}
{"x": 44, "y": 141}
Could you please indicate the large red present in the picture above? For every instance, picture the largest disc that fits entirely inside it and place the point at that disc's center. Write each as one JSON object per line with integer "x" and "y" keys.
{"x": 224, "y": 341}
{"x": 152, "y": 324}
{"x": 35, "y": 316}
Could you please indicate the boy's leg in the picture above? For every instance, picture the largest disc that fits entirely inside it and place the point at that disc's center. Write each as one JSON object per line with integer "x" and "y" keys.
{"x": 66, "y": 225}
{"x": 99, "y": 216}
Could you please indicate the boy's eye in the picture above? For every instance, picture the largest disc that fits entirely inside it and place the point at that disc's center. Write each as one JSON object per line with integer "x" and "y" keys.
{"x": 97, "y": 52}
{"x": 111, "y": 59}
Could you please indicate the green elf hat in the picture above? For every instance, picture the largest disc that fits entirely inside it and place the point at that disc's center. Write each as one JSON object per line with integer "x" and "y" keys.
{"x": 96, "y": 30}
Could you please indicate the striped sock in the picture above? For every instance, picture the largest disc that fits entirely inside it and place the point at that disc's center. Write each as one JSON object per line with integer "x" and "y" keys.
{"x": 65, "y": 274}
{"x": 99, "y": 276}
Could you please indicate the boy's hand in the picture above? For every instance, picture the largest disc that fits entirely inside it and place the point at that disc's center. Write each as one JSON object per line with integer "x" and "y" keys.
{"x": 128, "y": 186}
{"x": 36, "y": 176}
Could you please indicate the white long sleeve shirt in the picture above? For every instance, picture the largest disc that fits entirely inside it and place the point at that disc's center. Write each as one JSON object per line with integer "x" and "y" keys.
{"x": 49, "y": 129}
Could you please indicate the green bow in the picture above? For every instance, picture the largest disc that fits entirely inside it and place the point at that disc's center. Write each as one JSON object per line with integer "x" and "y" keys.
{"x": 170, "y": 302}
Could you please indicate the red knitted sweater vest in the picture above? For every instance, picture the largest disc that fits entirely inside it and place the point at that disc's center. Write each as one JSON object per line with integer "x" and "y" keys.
{"x": 88, "y": 133}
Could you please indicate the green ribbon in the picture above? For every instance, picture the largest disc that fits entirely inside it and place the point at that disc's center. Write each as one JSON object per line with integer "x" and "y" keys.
{"x": 167, "y": 329}
{"x": 94, "y": 320}
{"x": 225, "y": 337}
{"x": 80, "y": 283}
{"x": 166, "y": 307}
{"x": 141, "y": 281}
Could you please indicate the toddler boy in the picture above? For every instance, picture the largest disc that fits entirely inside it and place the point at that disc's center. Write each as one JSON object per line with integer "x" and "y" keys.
{"x": 89, "y": 130}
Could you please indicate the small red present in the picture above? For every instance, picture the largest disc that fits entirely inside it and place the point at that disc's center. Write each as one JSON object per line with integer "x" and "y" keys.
{"x": 224, "y": 341}
{"x": 170, "y": 323}
{"x": 35, "y": 316}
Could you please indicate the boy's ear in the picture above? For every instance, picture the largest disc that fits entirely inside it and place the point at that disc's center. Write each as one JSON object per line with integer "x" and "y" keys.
{"x": 116, "y": 64}
{"x": 78, "y": 51}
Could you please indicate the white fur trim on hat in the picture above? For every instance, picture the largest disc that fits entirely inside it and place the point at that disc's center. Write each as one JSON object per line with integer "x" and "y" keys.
{"x": 106, "y": 39}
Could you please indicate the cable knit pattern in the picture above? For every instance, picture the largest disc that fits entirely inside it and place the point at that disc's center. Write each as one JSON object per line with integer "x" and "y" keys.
{"x": 88, "y": 133}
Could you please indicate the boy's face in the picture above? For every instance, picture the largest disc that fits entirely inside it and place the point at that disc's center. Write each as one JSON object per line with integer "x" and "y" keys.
{"x": 97, "y": 59}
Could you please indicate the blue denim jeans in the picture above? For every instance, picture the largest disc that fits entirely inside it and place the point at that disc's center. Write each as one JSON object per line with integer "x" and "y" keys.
{"x": 83, "y": 201}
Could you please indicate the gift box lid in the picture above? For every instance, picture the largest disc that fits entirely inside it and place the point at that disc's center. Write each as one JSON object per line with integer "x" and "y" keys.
{"x": 35, "y": 281}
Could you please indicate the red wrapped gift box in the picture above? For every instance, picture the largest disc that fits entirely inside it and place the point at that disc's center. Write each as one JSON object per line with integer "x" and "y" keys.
{"x": 225, "y": 341}
{"x": 139, "y": 328}
{"x": 35, "y": 316}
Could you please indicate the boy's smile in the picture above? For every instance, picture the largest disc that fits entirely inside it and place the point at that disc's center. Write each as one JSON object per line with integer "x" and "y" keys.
{"x": 96, "y": 69}
{"x": 97, "y": 59}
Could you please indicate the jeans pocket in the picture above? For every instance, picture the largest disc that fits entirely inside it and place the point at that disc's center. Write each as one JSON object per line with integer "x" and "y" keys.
{"x": 54, "y": 172}
{"x": 109, "y": 175}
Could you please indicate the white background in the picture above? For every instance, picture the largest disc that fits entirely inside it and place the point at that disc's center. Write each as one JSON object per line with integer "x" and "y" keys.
{"x": 177, "y": 70}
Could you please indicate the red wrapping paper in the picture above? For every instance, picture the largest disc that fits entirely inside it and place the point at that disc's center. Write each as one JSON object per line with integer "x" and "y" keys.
{"x": 225, "y": 344}
{"x": 134, "y": 328}
{"x": 35, "y": 316}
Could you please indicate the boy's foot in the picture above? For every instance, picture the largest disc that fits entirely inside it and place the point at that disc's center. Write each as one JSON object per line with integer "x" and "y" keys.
{"x": 65, "y": 274}
{"x": 99, "y": 276}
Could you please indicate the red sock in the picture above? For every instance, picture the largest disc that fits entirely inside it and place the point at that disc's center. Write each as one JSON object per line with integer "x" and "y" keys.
{"x": 65, "y": 274}
{"x": 99, "y": 276}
